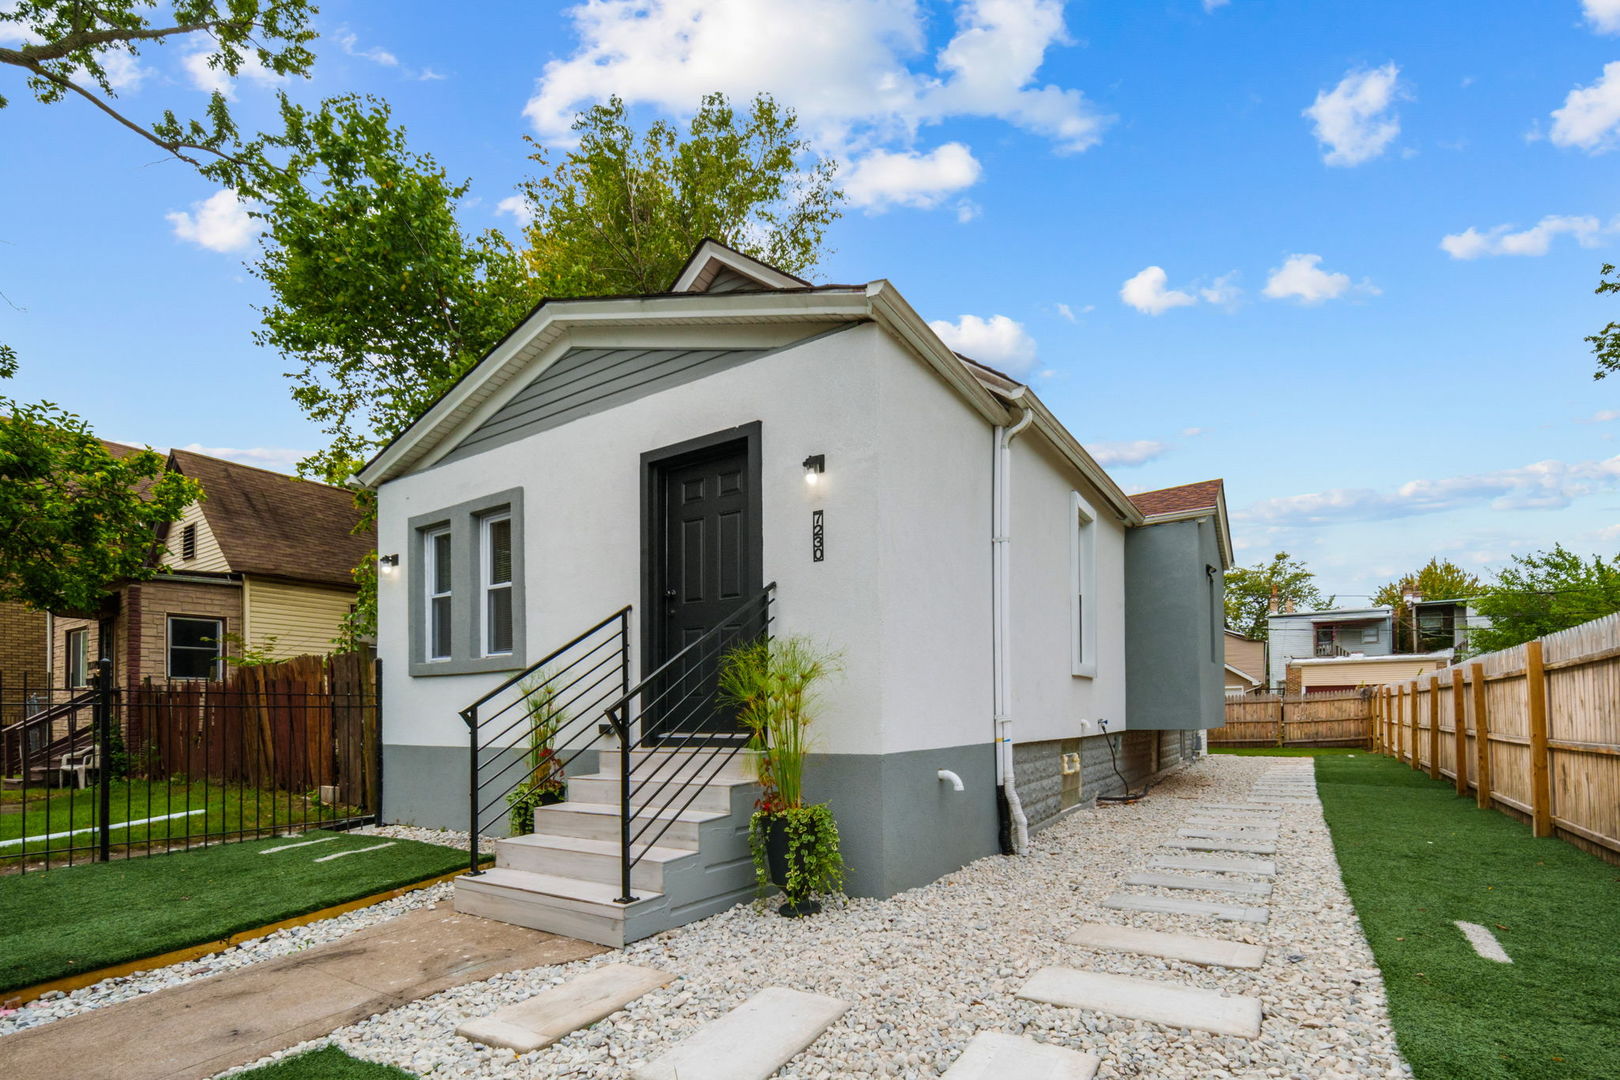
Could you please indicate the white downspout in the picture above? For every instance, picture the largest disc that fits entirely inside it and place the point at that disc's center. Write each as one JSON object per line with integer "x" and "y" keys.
{"x": 1000, "y": 582}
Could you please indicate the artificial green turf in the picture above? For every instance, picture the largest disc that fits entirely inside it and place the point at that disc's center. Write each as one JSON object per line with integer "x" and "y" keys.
{"x": 226, "y": 809}
{"x": 327, "y": 1063}
{"x": 61, "y": 922}
{"x": 1415, "y": 857}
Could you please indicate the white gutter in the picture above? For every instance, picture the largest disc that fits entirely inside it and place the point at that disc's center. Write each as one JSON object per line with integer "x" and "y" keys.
{"x": 1001, "y": 627}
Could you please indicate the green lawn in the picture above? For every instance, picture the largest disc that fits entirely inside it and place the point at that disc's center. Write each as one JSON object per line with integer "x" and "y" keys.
{"x": 226, "y": 809}
{"x": 82, "y": 918}
{"x": 327, "y": 1063}
{"x": 1416, "y": 857}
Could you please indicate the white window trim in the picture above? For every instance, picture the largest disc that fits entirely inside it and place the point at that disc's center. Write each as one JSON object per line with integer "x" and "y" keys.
{"x": 76, "y": 642}
{"x": 430, "y": 573}
{"x": 1082, "y": 587}
{"x": 486, "y": 587}
{"x": 168, "y": 646}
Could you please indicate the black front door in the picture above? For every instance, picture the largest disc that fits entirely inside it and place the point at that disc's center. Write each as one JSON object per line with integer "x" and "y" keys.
{"x": 704, "y": 540}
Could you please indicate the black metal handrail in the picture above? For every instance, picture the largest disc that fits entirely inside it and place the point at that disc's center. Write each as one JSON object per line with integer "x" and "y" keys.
{"x": 574, "y": 680}
{"x": 749, "y": 621}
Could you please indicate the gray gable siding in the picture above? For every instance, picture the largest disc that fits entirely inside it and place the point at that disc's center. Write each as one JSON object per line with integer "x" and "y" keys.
{"x": 728, "y": 280}
{"x": 584, "y": 381}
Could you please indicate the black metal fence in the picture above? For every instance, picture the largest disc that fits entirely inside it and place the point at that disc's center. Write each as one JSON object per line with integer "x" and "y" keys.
{"x": 89, "y": 774}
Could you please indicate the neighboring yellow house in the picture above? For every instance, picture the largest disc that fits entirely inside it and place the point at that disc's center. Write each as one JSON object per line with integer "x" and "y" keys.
{"x": 1355, "y": 672}
{"x": 1245, "y": 664}
{"x": 262, "y": 564}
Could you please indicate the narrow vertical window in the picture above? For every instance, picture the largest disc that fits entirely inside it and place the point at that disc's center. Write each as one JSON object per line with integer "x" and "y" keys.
{"x": 78, "y": 658}
{"x": 188, "y": 542}
{"x": 1083, "y": 586}
{"x": 496, "y": 567}
{"x": 436, "y": 579}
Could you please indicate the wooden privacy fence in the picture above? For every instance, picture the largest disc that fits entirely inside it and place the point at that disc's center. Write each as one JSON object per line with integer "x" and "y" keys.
{"x": 1533, "y": 730}
{"x": 1339, "y": 718}
{"x": 304, "y": 724}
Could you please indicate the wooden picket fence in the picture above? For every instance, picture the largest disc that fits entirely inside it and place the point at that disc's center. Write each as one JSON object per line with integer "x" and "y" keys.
{"x": 1338, "y": 718}
{"x": 1533, "y": 731}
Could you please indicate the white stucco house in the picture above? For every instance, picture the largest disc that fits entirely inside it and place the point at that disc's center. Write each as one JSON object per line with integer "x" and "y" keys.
{"x": 623, "y": 487}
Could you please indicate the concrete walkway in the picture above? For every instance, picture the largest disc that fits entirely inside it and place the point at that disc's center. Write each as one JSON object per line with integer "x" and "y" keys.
{"x": 195, "y": 1030}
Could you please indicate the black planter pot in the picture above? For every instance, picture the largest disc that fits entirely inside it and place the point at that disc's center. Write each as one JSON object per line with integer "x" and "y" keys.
{"x": 776, "y": 859}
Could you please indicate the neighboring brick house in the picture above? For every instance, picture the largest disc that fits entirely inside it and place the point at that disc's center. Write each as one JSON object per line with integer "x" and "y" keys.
{"x": 262, "y": 563}
{"x": 22, "y": 646}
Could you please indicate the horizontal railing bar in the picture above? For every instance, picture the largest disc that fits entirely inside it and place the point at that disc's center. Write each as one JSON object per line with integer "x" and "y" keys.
{"x": 549, "y": 657}
{"x": 569, "y": 704}
{"x": 673, "y": 817}
{"x": 563, "y": 763}
{"x": 630, "y": 695}
{"x": 520, "y": 698}
{"x": 672, "y": 683}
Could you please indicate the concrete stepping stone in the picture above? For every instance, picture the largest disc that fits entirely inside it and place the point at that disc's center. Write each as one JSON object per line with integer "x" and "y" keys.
{"x": 1215, "y": 864}
{"x": 1249, "y": 806}
{"x": 1207, "y": 833}
{"x": 1252, "y": 847}
{"x": 549, "y": 1015}
{"x": 1165, "y": 905}
{"x": 993, "y": 1055}
{"x": 1206, "y": 884}
{"x": 1231, "y": 822}
{"x": 1193, "y": 950}
{"x": 751, "y": 1041}
{"x": 1171, "y": 1004}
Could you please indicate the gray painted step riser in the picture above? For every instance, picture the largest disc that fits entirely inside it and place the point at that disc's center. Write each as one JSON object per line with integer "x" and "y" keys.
{"x": 711, "y": 797}
{"x": 1190, "y": 883}
{"x": 531, "y": 911}
{"x": 1199, "y": 908}
{"x": 556, "y": 820}
{"x": 642, "y": 761}
{"x": 585, "y": 865}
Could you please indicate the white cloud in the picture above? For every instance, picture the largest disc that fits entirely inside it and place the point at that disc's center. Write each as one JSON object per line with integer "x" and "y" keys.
{"x": 1211, "y": 5}
{"x": 1602, "y": 416}
{"x": 1544, "y": 485}
{"x": 1066, "y": 311}
{"x": 859, "y": 74}
{"x": 883, "y": 179}
{"x": 275, "y": 458}
{"x": 1471, "y": 243}
{"x": 210, "y": 79}
{"x": 1590, "y": 118}
{"x": 1126, "y": 454}
{"x": 997, "y": 342}
{"x": 1223, "y": 290}
{"x": 218, "y": 223}
{"x": 1146, "y": 293}
{"x": 1603, "y": 15}
{"x": 1302, "y": 278}
{"x": 429, "y": 75}
{"x": 349, "y": 43}
{"x": 518, "y": 207}
{"x": 1354, "y": 121}
{"x": 1191, "y": 432}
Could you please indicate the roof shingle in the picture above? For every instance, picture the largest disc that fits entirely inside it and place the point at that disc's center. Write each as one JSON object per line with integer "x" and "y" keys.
{"x": 278, "y": 525}
{"x": 1204, "y": 495}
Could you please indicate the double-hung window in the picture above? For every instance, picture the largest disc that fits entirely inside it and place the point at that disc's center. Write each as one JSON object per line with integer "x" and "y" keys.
{"x": 438, "y": 578}
{"x": 1082, "y": 586}
{"x": 495, "y": 570}
{"x": 195, "y": 647}
{"x": 465, "y": 579}
{"x": 78, "y": 658}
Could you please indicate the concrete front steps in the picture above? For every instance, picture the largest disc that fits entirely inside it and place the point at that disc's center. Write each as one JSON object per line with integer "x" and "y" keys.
{"x": 564, "y": 877}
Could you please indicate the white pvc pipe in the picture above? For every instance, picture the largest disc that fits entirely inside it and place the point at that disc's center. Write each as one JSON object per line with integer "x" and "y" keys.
{"x": 951, "y": 778}
{"x": 1001, "y": 627}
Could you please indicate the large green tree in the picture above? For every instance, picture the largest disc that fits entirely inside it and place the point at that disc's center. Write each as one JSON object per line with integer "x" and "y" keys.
{"x": 76, "y": 519}
{"x": 79, "y": 49}
{"x": 1606, "y": 342}
{"x": 1250, "y": 589}
{"x": 1543, "y": 592}
{"x": 380, "y": 297}
{"x": 1438, "y": 579}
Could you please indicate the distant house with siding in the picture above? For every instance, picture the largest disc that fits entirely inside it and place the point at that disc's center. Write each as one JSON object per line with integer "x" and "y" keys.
{"x": 1245, "y": 664}
{"x": 1322, "y": 635}
{"x": 1311, "y": 675}
{"x": 263, "y": 563}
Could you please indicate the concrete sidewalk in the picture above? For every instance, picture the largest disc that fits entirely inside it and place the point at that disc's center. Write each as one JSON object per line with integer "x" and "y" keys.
{"x": 193, "y": 1031}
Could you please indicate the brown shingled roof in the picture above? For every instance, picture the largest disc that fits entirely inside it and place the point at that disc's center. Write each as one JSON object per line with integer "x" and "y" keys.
{"x": 1204, "y": 495}
{"x": 278, "y": 525}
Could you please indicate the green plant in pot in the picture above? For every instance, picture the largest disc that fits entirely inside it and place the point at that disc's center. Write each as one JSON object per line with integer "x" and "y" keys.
{"x": 773, "y": 684}
{"x": 543, "y": 781}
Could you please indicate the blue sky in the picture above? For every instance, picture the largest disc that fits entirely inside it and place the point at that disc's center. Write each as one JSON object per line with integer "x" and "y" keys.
{"x": 1339, "y": 253}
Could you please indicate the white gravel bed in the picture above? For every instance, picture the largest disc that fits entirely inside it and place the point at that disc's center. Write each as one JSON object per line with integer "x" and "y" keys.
{"x": 58, "y": 1006}
{"x": 930, "y": 968}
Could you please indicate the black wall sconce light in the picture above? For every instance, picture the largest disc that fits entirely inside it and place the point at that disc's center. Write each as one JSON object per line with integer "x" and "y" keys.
{"x": 814, "y": 466}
